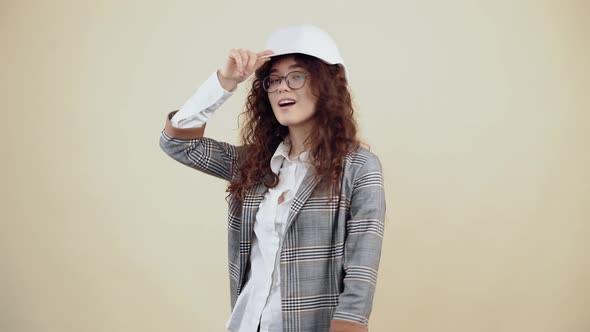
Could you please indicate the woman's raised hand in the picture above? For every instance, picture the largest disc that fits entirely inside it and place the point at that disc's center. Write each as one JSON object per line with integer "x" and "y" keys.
{"x": 240, "y": 64}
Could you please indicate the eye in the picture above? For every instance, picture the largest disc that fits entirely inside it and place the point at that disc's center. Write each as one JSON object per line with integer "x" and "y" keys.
{"x": 299, "y": 76}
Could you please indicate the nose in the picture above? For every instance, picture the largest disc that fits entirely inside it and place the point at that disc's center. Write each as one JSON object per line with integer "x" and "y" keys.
{"x": 283, "y": 85}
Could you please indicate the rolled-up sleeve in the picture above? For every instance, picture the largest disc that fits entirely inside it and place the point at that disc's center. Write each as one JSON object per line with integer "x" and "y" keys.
{"x": 189, "y": 147}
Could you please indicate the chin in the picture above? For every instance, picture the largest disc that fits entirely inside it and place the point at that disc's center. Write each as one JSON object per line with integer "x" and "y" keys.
{"x": 288, "y": 120}
{"x": 285, "y": 123}
{"x": 283, "y": 120}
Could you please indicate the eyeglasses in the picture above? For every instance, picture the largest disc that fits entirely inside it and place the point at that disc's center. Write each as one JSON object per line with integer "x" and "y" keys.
{"x": 295, "y": 80}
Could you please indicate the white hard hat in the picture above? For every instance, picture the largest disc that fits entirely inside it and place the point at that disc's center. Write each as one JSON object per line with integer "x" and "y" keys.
{"x": 307, "y": 39}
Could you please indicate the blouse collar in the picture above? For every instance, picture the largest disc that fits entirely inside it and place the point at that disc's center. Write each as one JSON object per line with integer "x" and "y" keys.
{"x": 282, "y": 153}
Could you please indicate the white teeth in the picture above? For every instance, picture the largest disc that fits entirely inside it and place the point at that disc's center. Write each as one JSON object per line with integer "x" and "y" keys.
{"x": 285, "y": 102}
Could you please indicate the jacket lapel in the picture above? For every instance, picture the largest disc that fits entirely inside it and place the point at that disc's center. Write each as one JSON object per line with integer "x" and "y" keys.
{"x": 305, "y": 189}
{"x": 249, "y": 209}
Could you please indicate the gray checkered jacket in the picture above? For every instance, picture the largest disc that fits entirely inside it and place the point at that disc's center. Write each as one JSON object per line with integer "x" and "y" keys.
{"x": 332, "y": 247}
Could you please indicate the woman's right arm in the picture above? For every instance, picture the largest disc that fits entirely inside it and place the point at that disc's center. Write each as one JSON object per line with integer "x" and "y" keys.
{"x": 189, "y": 147}
{"x": 183, "y": 135}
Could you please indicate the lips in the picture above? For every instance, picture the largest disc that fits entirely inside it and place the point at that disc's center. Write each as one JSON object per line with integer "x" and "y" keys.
{"x": 286, "y": 102}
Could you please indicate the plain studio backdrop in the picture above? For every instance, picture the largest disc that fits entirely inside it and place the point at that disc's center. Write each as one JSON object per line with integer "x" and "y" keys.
{"x": 477, "y": 109}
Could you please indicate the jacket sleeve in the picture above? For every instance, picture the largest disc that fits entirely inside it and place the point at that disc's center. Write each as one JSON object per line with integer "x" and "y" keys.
{"x": 362, "y": 249}
{"x": 189, "y": 147}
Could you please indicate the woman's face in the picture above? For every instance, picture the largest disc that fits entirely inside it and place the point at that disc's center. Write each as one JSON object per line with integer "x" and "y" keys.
{"x": 301, "y": 112}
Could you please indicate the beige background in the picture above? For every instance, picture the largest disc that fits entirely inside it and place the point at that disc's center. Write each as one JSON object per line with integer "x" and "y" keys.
{"x": 477, "y": 109}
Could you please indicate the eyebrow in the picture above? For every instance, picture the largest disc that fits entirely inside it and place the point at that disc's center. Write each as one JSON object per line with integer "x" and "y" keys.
{"x": 274, "y": 70}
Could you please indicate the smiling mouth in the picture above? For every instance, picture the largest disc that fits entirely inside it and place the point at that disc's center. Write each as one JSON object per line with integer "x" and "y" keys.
{"x": 286, "y": 104}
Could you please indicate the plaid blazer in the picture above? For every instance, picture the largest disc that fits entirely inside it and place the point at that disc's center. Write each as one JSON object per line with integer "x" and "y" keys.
{"x": 331, "y": 251}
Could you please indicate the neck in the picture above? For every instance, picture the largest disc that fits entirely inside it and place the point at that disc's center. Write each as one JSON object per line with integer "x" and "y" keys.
{"x": 298, "y": 136}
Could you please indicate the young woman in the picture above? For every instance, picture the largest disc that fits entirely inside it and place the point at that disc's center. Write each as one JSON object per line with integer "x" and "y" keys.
{"x": 306, "y": 202}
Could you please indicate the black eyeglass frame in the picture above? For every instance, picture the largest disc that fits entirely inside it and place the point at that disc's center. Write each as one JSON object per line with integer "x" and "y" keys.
{"x": 281, "y": 78}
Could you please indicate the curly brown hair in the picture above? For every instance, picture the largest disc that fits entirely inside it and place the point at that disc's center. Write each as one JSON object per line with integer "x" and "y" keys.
{"x": 333, "y": 134}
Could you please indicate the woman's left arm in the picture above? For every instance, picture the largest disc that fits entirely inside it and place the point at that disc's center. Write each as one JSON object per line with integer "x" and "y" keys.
{"x": 362, "y": 249}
